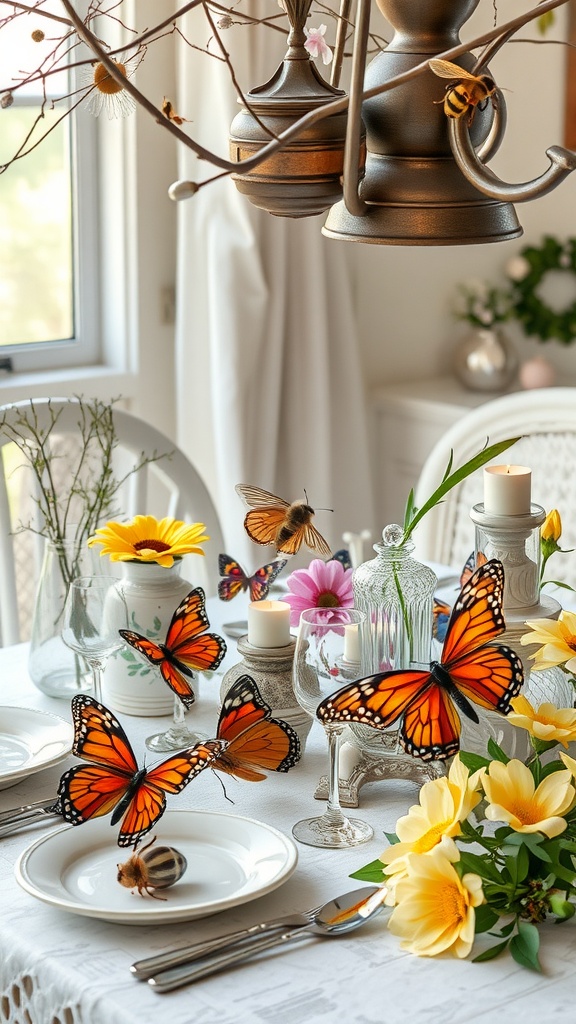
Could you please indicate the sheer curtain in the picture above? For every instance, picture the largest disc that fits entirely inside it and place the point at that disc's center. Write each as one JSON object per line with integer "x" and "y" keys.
{"x": 269, "y": 382}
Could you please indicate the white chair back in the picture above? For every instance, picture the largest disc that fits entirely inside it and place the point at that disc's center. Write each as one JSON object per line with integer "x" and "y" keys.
{"x": 170, "y": 487}
{"x": 547, "y": 420}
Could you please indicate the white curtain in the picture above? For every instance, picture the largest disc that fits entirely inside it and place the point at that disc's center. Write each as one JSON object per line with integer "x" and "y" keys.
{"x": 269, "y": 382}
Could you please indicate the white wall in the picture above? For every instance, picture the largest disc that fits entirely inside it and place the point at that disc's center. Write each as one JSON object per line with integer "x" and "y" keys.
{"x": 405, "y": 293}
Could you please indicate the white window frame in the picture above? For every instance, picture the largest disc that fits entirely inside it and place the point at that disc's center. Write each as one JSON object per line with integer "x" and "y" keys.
{"x": 134, "y": 162}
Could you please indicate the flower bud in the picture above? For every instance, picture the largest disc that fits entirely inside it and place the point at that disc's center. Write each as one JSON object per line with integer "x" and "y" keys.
{"x": 560, "y": 906}
{"x": 552, "y": 526}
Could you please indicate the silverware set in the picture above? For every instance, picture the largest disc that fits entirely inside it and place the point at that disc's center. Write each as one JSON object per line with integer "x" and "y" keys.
{"x": 168, "y": 971}
{"x": 27, "y": 814}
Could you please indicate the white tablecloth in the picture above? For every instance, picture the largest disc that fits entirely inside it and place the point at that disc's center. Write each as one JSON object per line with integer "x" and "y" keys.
{"x": 58, "y": 968}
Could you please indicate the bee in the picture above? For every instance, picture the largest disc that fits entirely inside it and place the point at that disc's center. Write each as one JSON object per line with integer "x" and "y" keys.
{"x": 284, "y": 524}
{"x": 469, "y": 92}
{"x": 152, "y": 869}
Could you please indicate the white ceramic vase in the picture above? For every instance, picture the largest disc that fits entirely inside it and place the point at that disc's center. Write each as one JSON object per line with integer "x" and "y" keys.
{"x": 130, "y": 684}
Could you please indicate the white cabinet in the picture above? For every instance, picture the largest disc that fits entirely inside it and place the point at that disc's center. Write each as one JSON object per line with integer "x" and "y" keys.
{"x": 407, "y": 420}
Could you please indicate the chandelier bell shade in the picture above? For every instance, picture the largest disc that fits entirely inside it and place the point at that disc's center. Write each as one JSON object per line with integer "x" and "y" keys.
{"x": 304, "y": 177}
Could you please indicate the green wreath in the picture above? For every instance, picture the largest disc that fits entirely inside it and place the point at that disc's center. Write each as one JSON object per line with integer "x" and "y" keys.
{"x": 535, "y": 316}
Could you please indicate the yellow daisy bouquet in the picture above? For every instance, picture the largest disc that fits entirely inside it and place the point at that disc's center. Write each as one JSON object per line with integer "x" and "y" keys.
{"x": 490, "y": 849}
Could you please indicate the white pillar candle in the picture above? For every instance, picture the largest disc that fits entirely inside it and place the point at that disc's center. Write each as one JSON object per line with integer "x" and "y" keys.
{"x": 269, "y": 623}
{"x": 352, "y": 643}
{"x": 507, "y": 490}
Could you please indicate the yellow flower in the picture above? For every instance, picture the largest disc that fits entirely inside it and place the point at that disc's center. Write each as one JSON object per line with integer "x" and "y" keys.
{"x": 514, "y": 798}
{"x": 558, "y": 638}
{"x": 444, "y": 803}
{"x": 146, "y": 539}
{"x": 435, "y": 907}
{"x": 552, "y": 526}
{"x": 548, "y": 723}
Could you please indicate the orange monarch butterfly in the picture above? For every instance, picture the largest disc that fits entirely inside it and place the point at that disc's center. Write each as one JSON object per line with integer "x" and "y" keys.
{"x": 235, "y": 579}
{"x": 184, "y": 649}
{"x": 275, "y": 521}
{"x": 252, "y": 741}
{"x": 470, "y": 670}
{"x": 113, "y": 781}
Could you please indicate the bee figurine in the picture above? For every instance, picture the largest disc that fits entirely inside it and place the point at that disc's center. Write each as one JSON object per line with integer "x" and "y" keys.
{"x": 152, "y": 869}
{"x": 469, "y": 92}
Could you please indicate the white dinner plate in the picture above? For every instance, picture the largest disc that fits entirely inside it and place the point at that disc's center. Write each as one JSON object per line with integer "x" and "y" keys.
{"x": 30, "y": 741}
{"x": 231, "y": 860}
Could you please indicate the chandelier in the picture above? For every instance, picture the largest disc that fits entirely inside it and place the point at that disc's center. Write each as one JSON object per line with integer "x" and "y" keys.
{"x": 401, "y": 160}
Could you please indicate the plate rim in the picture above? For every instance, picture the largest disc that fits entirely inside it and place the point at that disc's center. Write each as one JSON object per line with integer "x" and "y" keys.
{"x": 156, "y": 912}
{"x": 32, "y": 767}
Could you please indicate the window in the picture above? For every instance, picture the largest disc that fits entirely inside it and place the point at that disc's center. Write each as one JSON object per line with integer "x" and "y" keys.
{"x": 48, "y": 207}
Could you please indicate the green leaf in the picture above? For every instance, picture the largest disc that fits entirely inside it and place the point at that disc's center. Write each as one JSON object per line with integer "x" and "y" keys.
{"x": 490, "y": 954}
{"x": 451, "y": 479}
{"x": 524, "y": 946}
{"x": 485, "y": 918}
{"x": 496, "y": 752}
{"x": 473, "y": 762}
{"x": 373, "y": 872}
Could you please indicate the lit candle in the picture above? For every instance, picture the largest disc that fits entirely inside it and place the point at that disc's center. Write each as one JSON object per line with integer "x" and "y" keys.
{"x": 507, "y": 490}
{"x": 352, "y": 643}
{"x": 269, "y": 623}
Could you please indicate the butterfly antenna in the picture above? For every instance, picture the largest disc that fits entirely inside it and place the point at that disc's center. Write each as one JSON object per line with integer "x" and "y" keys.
{"x": 226, "y": 797}
{"x": 316, "y": 509}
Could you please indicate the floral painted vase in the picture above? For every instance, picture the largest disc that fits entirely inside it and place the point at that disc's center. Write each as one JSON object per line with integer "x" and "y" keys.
{"x": 130, "y": 684}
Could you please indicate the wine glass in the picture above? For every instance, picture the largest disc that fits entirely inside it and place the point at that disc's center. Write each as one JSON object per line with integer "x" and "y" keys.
{"x": 327, "y": 657}
{"x": 177, "y": 736}
{"x": 94, "y": 611}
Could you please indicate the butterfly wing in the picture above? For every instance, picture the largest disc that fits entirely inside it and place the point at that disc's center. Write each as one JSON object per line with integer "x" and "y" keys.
{"x": 87, "y": 791}
{"x": 235, "y": 579}
{"x": 377, "y": 700}
{"x": 148, "y": 802}
{"x": 185, "y": 647}
{"x": 431, "y": 726}
{"x": 260, "y": 582}
{"x": 490, "y": 677}
{"x": 150, "y": 650}
{"x": 440, "y": 615}
{"x": 255, "y": 742}
{"x": 477, "y": 614}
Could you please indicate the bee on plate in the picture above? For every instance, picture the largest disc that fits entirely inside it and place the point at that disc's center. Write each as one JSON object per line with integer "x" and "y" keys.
{"x": 152, "y": 869}
{"x": 275, "y": 521}
{"x": 469, "y": 92}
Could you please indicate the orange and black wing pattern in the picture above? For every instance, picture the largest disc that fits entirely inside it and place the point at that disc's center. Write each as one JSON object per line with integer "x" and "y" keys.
{"x": 113, "y": 782}
{"x": 187, "y": 647}
{"x": 254, "y": 741}
{"x": 472, "y": 669}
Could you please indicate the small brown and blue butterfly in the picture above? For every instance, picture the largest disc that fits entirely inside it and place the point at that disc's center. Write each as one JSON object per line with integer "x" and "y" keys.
{"x": 235, "y": 580}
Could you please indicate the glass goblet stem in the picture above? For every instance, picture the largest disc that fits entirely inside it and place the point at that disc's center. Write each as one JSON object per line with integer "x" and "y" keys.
{"x": 333, "y": 809}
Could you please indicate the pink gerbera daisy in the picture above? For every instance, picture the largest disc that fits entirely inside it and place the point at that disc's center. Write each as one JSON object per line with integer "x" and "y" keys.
{"x": 322, "y": 585}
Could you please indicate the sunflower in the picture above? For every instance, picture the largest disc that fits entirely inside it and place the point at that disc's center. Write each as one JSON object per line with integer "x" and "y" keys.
{"x": 146, "y": 539}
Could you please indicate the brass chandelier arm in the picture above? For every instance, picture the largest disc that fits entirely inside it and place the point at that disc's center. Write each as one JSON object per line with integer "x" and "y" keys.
{"x": 562, "y": 163}
{"x": 354, "y": 204}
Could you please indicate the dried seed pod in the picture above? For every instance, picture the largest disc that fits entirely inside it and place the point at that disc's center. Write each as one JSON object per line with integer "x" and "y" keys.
{"x": 152, "y": 869}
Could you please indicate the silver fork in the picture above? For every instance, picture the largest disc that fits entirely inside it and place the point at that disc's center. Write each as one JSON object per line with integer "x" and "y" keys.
{"x": 18, "y": 817}
{"x": 144, "y": 969}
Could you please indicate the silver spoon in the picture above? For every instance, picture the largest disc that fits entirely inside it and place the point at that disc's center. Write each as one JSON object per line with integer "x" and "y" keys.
{"x": 340, "y": 915}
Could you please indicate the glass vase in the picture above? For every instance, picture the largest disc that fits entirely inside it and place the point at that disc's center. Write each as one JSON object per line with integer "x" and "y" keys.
{"x": 152, "y": 592}
{"x": 53, "y": 667}
{"x": 396, "y": 592}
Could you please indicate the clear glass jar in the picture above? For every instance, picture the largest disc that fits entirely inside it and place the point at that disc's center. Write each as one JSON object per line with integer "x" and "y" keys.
{"x": 397, "y": 592}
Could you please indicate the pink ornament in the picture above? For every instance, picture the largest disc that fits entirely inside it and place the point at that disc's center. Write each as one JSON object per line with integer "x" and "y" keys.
{"x": 537, "y": 373}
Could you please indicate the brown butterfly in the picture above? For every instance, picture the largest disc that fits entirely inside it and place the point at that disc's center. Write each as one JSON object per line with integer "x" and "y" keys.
{"x": 275, "y": 521}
